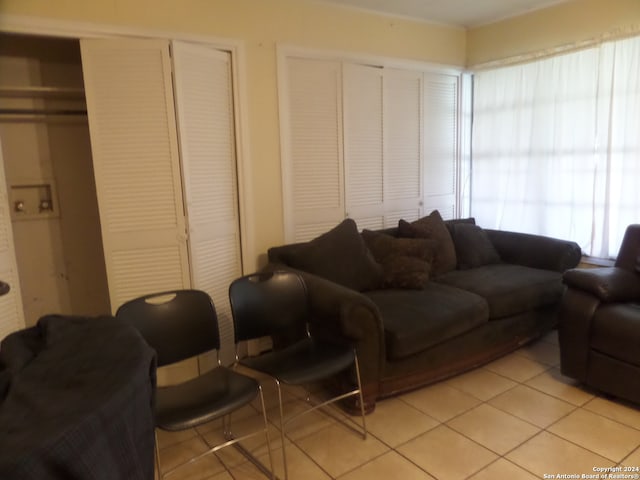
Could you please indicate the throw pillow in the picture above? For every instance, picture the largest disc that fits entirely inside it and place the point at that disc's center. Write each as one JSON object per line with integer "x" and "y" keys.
{"x": 433, "y": 227}
{"x": 339, "y": 255}
{"x": 401, "y": 271}
{"x": 455, "y": 221}
{"x": 406, "y": 262}
{"x": 473, "y": 246}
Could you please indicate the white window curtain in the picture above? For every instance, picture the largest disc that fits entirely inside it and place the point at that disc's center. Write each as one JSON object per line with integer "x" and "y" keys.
{"x": 556, "y": 146}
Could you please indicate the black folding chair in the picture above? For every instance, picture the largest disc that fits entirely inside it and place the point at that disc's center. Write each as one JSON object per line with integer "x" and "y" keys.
{"x": 182, "y": 324}
{"x": 270, "y": 304}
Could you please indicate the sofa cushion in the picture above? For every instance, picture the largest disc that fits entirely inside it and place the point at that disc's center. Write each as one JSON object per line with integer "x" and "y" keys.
{"x": 406, "y": 262}
{"x": 473, "y": 247}
{"x": 508, "y": 289}
{"x": 616, "y": 331}
{"x": 339, "y": 255}
{"x": 416, "y": 320}
{"x": 433, "y": 227}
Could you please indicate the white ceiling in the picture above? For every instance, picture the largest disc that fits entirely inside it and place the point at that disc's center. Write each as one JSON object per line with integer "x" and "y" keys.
{"x": 464, "y": 13}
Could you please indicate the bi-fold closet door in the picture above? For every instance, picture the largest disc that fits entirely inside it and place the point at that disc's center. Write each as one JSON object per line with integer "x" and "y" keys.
{"x": 372, "y": 143}
{"x": 166, "y": 183}
{"x": 382, "y": 144}
{"x": 11, "y": 310}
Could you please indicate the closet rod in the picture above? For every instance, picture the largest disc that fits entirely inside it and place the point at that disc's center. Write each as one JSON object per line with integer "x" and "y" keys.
{"x": 40, "y": 112}
{"x": 31, "y": 92}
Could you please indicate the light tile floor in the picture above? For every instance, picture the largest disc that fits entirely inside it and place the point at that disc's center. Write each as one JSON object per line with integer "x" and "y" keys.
{"x": 515, "y": 418}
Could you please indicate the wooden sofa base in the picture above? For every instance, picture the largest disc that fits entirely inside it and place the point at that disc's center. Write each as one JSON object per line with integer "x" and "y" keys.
{"x": 446, "y": 360}
{"x": 397, "y": 385}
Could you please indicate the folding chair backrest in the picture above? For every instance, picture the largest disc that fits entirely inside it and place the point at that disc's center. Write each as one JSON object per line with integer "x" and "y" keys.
{"x": 268, "y": 303}
{"x": 177, "y": 324}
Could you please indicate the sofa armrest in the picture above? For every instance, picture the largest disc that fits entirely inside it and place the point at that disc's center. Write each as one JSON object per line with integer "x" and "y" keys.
{"x": 574, "y": 332}
{"x": 608, "y": 284}
{"x": 343, "y": 312}
{"x": 535, "y": 251}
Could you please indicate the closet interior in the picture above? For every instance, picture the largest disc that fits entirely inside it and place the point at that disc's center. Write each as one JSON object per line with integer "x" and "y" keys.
{"x": 50, "y": 185}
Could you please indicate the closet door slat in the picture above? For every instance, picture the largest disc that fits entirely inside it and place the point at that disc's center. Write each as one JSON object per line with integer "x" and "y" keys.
{"x": 403, "y": 144}
{"x": 441, "y": 130}
{"x": 313, "y": 177}
{"x": 134, "y": 144}
{"x": 204, "y": 103}
{"x": 363, "y": 144}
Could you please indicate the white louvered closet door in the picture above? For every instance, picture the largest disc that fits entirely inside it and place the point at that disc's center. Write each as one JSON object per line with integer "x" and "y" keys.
{"x": 363, "y": 145}
{"x": 313, "y": 177}
{"x": 204, "y": 103}
{"x": 441, "y": 131}
{"x": 11, "y": 311}
{"x": 402, "y": 145}
{"x": 135, "y": 153}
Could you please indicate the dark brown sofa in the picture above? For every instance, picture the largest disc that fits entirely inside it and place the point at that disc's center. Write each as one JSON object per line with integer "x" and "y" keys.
{"x": 599, "y": 323}
{"x": 499, "y": 291}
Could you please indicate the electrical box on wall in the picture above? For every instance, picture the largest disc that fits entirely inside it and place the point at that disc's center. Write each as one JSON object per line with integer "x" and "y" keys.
{"x": 33, "y": 200}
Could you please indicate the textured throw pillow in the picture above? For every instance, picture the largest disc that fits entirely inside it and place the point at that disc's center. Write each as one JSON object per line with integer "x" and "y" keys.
{"x": 473, "y": 246}
{"x": 401, "y": 271}
{"x": 434, "y": 228}
{"x": 406, "y": 262}
{"x": 455, "y": 221}
{"x": 339, "y": 255}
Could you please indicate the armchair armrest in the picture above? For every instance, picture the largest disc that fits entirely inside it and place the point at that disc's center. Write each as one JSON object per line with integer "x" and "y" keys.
{"x": 535, "y": 251}
{"x": 608, "y": 284}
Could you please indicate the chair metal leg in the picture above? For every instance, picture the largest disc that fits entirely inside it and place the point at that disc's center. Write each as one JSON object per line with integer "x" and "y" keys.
{"x": 157, "y": 455}
{"x": 359, "y": 392}
{"x": 228, "y": 435}
{"x": 362, "y": 414}
{"x": 282, "y": 437}
{"x": 266, "y": 433}
{"x": 232, "y": 440}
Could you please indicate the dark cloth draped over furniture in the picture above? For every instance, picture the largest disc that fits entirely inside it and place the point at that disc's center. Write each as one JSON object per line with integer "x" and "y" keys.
{"x": 599, "y": 329}
{"x": 76, "y": 399}
{"x": 431, "y": 298}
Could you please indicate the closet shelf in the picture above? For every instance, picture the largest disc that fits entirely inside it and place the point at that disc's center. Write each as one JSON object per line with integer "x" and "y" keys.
{"x": 41, "y": 92}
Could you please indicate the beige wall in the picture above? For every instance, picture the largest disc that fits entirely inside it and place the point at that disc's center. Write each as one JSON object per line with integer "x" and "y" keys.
{"x": 575, "y": 21}
{"x": 261, "y": 25}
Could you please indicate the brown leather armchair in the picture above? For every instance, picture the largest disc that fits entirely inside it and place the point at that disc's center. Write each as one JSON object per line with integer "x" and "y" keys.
{"x": 599, "y": 324}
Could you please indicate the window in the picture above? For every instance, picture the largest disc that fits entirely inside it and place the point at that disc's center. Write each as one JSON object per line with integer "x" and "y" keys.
{"x": 555, "y": 146}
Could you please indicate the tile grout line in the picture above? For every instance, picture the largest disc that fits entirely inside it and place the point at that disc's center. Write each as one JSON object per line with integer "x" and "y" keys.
{"x": 438, "y": 423}
{"x": 541, "y": 429}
